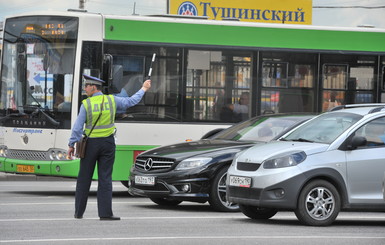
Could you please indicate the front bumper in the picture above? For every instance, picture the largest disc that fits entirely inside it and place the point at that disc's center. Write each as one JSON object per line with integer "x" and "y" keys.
{"x": 283, "y": 195}
{"x": 38, "y": 167}
{"x": 173, "y": 186}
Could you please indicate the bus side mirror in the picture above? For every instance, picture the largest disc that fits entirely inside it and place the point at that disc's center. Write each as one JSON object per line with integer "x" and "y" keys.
{"x": 356, "y": 142}
{"x": 107, "y": 67}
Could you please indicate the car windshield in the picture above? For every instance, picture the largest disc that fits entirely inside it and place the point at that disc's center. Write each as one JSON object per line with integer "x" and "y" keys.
{"x": 260, "y": 128}
{"x": 325, "y": 128}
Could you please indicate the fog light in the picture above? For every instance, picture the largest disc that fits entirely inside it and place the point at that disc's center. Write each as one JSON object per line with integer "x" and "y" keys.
{"x": 185, "y": 188}
{"x": 57, "y": 168}
{"x": 279, "y": 193}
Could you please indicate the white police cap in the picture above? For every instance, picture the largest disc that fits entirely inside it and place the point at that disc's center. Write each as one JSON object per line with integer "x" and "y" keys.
{"x": 92, "y": 80}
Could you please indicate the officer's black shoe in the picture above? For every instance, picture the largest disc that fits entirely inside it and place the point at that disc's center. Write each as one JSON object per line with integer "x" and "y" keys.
{"x": 110, "y": 218}
{"x": 78, "y": 216}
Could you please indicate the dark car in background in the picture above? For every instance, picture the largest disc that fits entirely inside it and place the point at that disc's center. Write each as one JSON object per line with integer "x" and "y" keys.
{"x": 196, "y": 171}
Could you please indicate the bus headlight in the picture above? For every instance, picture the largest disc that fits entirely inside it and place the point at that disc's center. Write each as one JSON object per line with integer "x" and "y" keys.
{"x": 57, "y": 155}
{"x": 52, "y": 154}
{"x": 60, "y": 155}
{"x": 3, "y": 151}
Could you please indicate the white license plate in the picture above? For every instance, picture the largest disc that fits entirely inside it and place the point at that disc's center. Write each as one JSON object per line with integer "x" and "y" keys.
{"x": 240, "y": 181}
{"x": 144, "y": 180}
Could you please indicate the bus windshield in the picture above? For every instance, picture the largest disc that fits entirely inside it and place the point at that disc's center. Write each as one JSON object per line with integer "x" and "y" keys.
{"x": 37, "y": 71}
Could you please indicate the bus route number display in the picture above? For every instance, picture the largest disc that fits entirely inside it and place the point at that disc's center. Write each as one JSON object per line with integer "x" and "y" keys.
{"x": 53, "y": 29}
{"x": 47, "y": 30}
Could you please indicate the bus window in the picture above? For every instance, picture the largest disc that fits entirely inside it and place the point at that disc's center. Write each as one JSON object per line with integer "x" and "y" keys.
{"x": 218, "y": 86}
{"x": 39, "y": 56}
{"x": 91, "y": 64}
{"x": 334, "y": 81}
{"x": 128, "y": 74}
{"x": 130, "y": 67}
{"x": 287, "y": 82}
{"x": 274, "y": 74}
{"x": 348, "y": 79}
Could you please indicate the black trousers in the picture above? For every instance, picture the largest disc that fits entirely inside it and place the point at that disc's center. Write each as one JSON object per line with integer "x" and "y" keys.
{"x": 102, "y": 152}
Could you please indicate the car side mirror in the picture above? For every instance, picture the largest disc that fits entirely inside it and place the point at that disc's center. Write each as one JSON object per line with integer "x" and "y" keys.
{"x": 211, "y": 133}
{"x": 357, "y": 141}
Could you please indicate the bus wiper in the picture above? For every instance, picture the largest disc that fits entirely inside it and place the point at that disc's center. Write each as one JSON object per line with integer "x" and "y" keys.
{"x": 33, "y": 97}
{"x": 302, "y": 140}
{"x": 12, "y": 115}
{"x": 50, "y": 119}
{"x": 40, "y": 109}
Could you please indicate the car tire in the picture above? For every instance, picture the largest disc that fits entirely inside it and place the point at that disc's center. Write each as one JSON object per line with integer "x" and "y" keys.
{"x": 254, "y": 212}
{"x": 165, "y": 202}
{"x": 217, "y": 195}
{"x": 318, "y": 204}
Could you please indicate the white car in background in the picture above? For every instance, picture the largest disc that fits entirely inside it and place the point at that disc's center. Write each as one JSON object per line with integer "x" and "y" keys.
{"x": 333, "y": 162}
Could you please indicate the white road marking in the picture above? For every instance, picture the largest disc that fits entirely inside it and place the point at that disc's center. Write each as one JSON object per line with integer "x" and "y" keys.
{"x": 184, "y": 238}
{"x": 240, "y": 215}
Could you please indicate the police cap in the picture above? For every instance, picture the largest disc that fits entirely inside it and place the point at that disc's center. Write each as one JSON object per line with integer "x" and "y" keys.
{"x": 92, "y": 80}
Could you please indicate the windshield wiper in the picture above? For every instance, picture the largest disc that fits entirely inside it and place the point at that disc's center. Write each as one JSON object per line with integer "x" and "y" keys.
{"x": 50, "y": 119}
{"x": 302, "y": 140}
{"x": 12, "y": 115}
{"x": 18, "y": 115}
{"x": 39, "y": 108}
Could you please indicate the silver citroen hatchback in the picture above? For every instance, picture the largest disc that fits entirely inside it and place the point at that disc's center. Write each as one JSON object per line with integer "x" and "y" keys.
{"x": 333, "y": 162}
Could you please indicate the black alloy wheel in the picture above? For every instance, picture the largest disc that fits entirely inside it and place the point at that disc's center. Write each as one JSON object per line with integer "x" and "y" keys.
{"x": 218, "y": 199}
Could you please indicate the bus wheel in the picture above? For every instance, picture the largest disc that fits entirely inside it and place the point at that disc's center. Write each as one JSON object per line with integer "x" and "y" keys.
{"x": 165, "y": 201}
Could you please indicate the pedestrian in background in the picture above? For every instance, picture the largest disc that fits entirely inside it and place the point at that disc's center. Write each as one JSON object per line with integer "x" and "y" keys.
{"x": 100, "y": 145}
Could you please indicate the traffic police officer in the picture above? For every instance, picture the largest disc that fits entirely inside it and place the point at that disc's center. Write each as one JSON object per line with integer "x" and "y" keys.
{"x": 100, "y": 145}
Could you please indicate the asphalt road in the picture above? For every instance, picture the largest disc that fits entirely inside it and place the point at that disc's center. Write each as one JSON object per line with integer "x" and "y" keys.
{"x": 39, "y": 210}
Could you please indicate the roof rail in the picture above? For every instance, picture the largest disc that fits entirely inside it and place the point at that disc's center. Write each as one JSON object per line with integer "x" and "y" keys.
{"x": 340, "y": 107}
{"x": 377, "y": 109}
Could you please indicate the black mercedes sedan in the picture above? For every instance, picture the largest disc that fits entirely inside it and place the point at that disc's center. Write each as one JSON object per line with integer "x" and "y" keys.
{"x": 196, "y": 171}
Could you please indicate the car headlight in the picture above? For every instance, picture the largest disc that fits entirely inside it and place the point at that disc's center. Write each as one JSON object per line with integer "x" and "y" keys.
{"x": 193, "y": 163}
{"x": 287, "y": 160}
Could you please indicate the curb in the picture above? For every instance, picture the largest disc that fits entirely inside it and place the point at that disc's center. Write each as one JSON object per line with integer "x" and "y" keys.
{"x": 30, "y": 177}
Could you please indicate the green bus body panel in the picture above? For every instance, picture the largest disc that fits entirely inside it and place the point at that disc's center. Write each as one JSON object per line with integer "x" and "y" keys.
{"x": 243, "y": 36}
{"x": 123, "y": 162}
{"x": 41, "y": 167}
{"x": 67, "y": 168}
{"x": 2, "y": 164}
{"x": 124, "y": 159}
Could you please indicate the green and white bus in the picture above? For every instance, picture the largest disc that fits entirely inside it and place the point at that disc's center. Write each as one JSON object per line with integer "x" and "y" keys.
{"x": 202, "y": 69}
